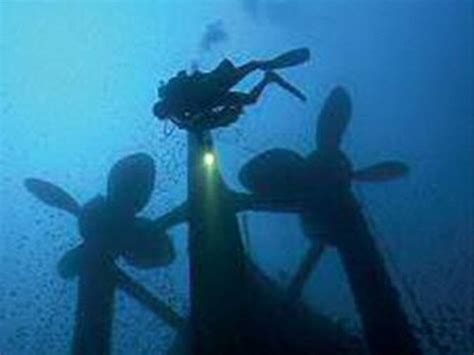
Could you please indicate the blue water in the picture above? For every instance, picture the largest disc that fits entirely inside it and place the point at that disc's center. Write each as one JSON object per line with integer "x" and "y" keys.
{"x": 78, "y": 80}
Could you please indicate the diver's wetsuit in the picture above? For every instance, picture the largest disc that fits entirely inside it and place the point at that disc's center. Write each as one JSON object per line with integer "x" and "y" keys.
{"x": 226, "y": 109}
{"x": 205, "y": 100}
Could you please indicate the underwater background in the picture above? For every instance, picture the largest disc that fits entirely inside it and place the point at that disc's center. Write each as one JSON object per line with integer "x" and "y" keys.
{"x": 78, "y": 81}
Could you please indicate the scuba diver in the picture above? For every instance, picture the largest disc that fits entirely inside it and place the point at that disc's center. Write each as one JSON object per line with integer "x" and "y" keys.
{"x": 205, "y": 100}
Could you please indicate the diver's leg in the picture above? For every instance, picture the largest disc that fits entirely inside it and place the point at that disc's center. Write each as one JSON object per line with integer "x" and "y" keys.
{"x": 239, "y": 73}
{"x": 253, "y": 96}
{"x": 251, "y": 67}
{"x": 229, "y": 75}
{"x": 257, "y": 90}
{"x": 235, "y": 98}
{"x": 244, "y": 99}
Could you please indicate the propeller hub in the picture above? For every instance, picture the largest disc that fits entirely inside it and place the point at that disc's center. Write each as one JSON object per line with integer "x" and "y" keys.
{"x": 102, "y": 227}
{"x": 329, "y": 191}
{"x": 147, "y": 247}
{"x": 329, "y": 170}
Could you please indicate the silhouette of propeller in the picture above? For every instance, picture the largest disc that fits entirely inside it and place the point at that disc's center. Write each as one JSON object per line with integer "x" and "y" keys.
{"x": 386, "y": 171}
{"x": 276, "y": 172}
{"x": 52, "y": 195}
{"x": 314, "y": 182}
{"x": 110, "y": 223}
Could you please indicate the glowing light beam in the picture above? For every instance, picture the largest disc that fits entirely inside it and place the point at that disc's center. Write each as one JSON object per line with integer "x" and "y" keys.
{"x": 209, "y": 159}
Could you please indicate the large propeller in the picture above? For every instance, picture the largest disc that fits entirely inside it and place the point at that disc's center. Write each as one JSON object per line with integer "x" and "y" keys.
{"x": 110, "y": 222}
{"x": 285, "y": 172}
{"x": 315, "y": 180}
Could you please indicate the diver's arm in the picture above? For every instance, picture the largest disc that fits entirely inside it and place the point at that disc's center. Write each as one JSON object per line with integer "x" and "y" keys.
{"x": 228, "y": 115}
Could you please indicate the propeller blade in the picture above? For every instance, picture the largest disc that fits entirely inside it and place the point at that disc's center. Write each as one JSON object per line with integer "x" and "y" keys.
{"x": 381, "y": 172}
{"x": 289, "y": 59}
{"x": 276, "y": 172}
{"x": 52, "y": 195}
{"x": 70, "y": 264}
{"x": 333, "y": 119}
{"x": 131, "y": 182}
{"x": 148, "y": 249}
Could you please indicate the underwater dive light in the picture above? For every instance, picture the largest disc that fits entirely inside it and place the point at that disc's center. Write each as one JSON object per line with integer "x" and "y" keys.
{"x": 209, "y": 159}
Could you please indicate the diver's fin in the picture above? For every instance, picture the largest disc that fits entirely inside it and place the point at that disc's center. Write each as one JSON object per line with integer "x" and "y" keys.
{"x": 70, "y": 264}
{"x": 289, "y": 59}
{"x": 52, "y": 195}
{"x": 277, "y": 79}
{"x": 385, "y": 171}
